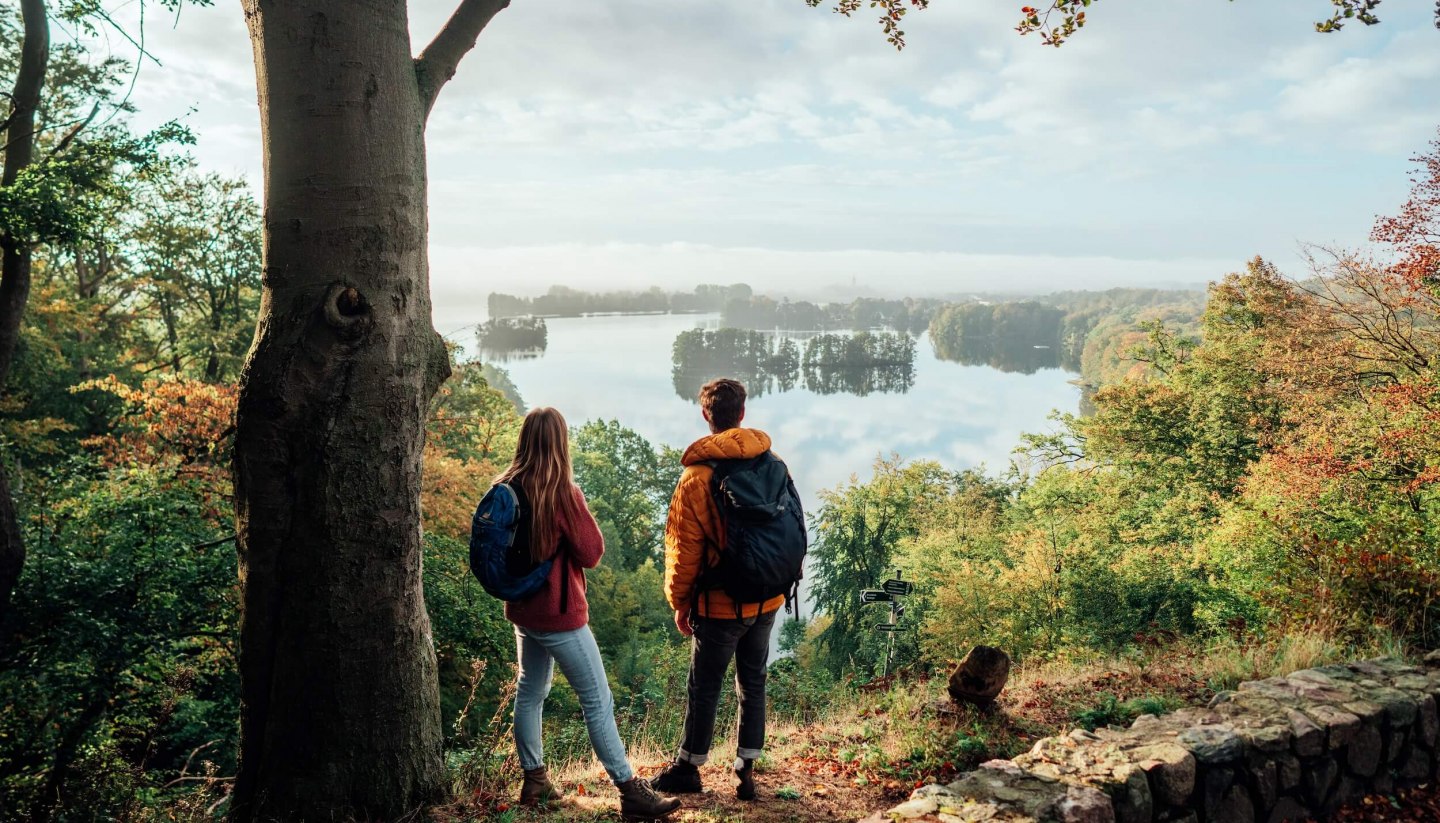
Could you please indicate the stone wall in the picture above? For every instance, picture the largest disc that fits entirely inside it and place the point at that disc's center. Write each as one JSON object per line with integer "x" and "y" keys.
{"x": 1285, "y": 748}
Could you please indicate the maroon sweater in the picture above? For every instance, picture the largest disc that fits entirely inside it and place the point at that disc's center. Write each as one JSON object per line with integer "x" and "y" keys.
{"x": 579, "y": 538}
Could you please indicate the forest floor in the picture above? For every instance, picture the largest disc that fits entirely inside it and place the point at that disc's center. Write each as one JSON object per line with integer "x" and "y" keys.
{"x": 870, "y": 753}
{"x": 878, "y": 744}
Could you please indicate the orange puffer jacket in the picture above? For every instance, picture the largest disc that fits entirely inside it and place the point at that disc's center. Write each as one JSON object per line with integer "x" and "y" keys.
{"x": 694, "y": 533}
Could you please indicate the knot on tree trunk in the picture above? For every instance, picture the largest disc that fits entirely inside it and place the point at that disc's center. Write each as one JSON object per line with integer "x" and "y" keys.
{"x": 347, "y": 311}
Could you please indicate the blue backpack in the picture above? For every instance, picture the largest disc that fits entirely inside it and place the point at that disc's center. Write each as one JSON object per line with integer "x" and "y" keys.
{"x": 492, "y": 543}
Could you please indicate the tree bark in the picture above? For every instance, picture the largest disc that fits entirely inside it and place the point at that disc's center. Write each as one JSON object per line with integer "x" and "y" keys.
{"x": 340, "y": 713}
{"x": 19, "y": 141}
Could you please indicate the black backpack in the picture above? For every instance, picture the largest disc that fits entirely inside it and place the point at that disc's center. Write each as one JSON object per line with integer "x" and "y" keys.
{"x": 765, "y": 536}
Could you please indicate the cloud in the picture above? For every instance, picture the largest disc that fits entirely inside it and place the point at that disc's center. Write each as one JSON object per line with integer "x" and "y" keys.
{"x": 1164, "y": 132}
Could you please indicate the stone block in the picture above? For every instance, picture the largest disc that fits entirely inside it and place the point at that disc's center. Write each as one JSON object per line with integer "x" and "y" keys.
{"x": 1397, "y": 746}
{"x": 1215, "y": 785}
{"x": 1235, "y": 807}
{"x": 1307, "y": 736}
{"x": 1265, "y": 780}
{"x": 1427, "y": 725}
{"x": 1131, "y": 798}
{"x": 1289, "y": 810}
{"x": 1171, "y": 771}
{"x": 1082, "y": 805}
{"x": 1400, "y": 708}
{"x": 1287, "y": 770}
{"x": 1362, "y": 756}
{"x": 1415, "y": 684}
{"x": 1212, "y": 745}
{"x": 1416, "y": 767}
{"x": 1350, "y": 788}
{"x": 1369, "y": 712}
{"x": 1317, "y": 781}
{"x": 1340, "y": 726}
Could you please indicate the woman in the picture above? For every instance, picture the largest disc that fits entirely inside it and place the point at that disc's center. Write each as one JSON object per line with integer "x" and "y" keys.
{"x": 552, "y": 626}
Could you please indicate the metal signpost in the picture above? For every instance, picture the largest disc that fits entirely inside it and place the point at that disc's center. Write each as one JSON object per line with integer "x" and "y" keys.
{"x": 890, "y": 592}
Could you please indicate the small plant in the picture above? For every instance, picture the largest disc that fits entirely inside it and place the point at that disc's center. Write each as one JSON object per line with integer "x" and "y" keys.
{"x": 1111, "y": 712}
{"x": 788, "y": 793}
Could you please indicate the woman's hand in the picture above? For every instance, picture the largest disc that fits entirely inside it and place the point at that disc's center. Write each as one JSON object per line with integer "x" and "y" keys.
{"x": 682, "y": 622}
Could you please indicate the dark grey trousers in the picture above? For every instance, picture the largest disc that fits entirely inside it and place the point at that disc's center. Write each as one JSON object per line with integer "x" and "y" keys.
{"x": 715, "y": 642}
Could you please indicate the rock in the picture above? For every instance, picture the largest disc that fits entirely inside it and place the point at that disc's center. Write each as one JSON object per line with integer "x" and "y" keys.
{"x": 1221, "y": 698}
{"x": 1400, "y": 708}
{"x": 915, "y": 807}
{"x": 1132, "y": 801}
{"x": 1429, "y": 721}
{"x": 1342, "y": 725}
{"x": 1289, "y": 810}
{"x": 1432, "y": 660}
{"x": 1083, "y": 805}
{"x": 1235, "y": 807}
{"x": 1212, "y": 744}
{"x": 1318, "y": 780}
{"x": 1369, "y": 712}
{"x": 1312, "y": 676}
{"x": 1363, "y": 755}
{"x": 1171, "y": 770}
{"x": 1416, "y": 768}
{"x": 980, "y": 677}
{"x": 1350, "y": 789}
{"x": 1287, "y": 770}
{"x": 1397, "y": 748}
{"x": 1308, "y": 737}
{"x": 1265, "y": 777}
{"x": 1214, "y": 786}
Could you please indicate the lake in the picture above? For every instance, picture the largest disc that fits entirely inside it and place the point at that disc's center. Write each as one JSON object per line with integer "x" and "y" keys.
{"x": 964, "y": 416}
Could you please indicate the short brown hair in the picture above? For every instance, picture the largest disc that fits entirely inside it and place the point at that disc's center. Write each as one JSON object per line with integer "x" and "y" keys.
{"x": 723, "y": 401}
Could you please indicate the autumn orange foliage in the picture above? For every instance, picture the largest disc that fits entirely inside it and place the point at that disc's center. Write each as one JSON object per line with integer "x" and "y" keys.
{"x": 173, "y": 424}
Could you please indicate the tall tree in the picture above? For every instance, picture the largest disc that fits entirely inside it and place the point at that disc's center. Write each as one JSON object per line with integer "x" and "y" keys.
{"x": 19, "y": 136}
{"x": 340, "y": 706}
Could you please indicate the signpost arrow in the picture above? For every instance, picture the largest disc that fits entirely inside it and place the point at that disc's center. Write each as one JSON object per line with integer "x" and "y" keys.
{"x": 898, "y": 587}
{"x": 875, "y": 596}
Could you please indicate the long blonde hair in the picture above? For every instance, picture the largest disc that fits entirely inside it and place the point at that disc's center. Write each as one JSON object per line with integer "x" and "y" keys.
{"x": 542, "y": 468}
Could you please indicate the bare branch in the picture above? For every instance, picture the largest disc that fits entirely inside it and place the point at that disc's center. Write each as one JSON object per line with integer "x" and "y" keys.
{"x": 438, "y": 62}
{"x": 70, "y": 135}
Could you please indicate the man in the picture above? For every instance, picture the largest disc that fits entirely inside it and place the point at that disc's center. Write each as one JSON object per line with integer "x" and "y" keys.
{"x": 726, "y": 578}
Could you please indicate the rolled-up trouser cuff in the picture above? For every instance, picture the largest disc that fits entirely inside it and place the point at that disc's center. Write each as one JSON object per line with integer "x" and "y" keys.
{"x": 693, "y": 759}
{"x": 748, "y": 754}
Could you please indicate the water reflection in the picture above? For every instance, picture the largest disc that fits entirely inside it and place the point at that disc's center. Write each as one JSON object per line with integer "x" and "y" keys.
{"x": 1007, "y": 355}
{"x": 508, "y": 339}
{"x": 859, "y": 364}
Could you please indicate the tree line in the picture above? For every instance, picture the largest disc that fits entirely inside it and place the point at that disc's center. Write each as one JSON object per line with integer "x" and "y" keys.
{"x": 563, "y": 301}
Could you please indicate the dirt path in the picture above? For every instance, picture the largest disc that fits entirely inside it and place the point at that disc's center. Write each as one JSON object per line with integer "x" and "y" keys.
{"x": 794, "y": 790}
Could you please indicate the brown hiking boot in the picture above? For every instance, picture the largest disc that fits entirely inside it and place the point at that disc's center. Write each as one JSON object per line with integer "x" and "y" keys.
{"x": 537, "y": 790}
{"x": 638, "y": 801}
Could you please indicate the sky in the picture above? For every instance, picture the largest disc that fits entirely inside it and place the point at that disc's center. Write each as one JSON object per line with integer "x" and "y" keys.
{"x": 633, "y": 143}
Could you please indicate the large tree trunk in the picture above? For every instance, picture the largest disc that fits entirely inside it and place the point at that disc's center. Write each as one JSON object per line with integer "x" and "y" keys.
{"x": 18, "y": 138}
{"x": 340, "y": 704}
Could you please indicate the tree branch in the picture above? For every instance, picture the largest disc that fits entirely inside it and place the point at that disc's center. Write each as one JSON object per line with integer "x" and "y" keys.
{"x": 438, "y": 62}
{"x": 70, "y": 135}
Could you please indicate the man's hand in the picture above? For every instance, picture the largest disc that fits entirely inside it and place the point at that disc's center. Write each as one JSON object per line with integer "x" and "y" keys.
{"x": 682, "y": 622}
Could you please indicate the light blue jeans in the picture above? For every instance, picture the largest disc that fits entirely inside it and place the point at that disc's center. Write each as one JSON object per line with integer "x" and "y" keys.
{"x": 579, "y": 659}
